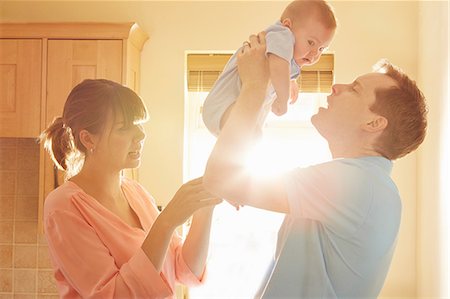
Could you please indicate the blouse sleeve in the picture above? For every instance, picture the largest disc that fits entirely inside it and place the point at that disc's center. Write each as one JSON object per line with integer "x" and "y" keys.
{"x": 89, "y": 268}
{"x": 184, "y": 274}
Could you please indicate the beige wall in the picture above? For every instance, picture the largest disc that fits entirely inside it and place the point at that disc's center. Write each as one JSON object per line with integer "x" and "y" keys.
{"x": 368, "y": 30}
{"x": 433, "y": 207}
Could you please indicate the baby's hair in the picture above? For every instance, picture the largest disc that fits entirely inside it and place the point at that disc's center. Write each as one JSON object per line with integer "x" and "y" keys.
{"x": 86, "y": 108}
{"x": 300, "y": 10}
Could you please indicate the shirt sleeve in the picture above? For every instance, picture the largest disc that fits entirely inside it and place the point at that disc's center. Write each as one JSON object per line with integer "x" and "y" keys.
{"x": 280, "y": 41}
{"x": 89, "y": 268}
{"x": 335, "y": 193}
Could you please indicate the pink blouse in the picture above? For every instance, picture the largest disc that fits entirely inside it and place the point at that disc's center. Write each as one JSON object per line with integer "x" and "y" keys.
{"x": 97, "y": 255}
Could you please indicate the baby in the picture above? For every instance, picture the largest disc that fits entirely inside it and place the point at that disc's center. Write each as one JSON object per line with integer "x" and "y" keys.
{"x": 304, "y": 31}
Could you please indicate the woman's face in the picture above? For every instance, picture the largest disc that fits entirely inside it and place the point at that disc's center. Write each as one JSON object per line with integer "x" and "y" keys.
{"x": 119, "y": 146}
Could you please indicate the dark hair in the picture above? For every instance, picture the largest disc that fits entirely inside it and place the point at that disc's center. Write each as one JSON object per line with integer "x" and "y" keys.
{"x": 86, "y": 108}
{"x": 404, "y": 108}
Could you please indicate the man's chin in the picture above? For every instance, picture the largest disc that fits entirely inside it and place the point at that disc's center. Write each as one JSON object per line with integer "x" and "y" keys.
{"x": 314, "y": 119}
{"x": 317, "y": 119}
{"x": 317, "y": 114}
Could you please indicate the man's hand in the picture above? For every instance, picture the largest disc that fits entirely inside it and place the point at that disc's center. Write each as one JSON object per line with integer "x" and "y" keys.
{"x": 252, "y": 62}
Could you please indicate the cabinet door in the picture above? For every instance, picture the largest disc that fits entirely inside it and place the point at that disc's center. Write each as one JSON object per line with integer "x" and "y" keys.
{"x": 69, "y": 63}
{"x": 20, "y": 87}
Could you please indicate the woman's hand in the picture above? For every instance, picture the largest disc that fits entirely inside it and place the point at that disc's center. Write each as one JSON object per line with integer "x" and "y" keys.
{"x": 190, "y": 198}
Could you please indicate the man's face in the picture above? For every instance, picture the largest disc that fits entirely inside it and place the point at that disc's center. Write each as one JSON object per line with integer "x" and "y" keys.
{"x": 348, "y": 106}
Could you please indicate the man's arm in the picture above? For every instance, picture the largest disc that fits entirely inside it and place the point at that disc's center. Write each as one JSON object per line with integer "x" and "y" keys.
{"x": 226, "y": 175}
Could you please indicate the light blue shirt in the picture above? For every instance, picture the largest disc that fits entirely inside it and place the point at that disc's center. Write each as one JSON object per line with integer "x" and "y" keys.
{"x": 340, "y": 235}
{"x": 279, "y": 41}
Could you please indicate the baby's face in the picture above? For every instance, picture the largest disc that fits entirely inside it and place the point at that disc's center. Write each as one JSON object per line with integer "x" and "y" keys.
{"x": 311, "y": 39}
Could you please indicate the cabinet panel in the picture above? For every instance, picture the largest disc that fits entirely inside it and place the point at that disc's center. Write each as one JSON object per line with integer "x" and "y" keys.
{"x": 72, "y": 61}
{"x": 20, "y": 87}
{"x": 69, "y": 63}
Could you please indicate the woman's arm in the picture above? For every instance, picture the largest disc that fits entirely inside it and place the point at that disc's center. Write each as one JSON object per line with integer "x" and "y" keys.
{"x": 157, "y": 241}
{"x": 187, "y": 200}
{"x": 195, "y": 247}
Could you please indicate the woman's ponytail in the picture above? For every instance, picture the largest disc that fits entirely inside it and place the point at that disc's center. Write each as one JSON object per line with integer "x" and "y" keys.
{"x": 57, "y": 141}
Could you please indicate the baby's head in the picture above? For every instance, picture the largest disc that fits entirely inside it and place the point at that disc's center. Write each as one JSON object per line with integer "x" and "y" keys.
{"x": 313, "y": 24}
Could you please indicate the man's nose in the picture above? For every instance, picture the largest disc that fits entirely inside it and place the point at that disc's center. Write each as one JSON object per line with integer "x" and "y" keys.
{"x": 336, "y": 88}
{"x": 333, "y": 89}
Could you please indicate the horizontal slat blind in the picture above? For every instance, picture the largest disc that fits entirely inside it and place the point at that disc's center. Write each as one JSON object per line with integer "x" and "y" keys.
{"x": 317, "y": 77}
{"x": 204, "y": 69}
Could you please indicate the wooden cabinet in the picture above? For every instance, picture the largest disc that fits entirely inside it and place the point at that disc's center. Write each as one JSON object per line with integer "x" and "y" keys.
{"x": 72, "y": 61}
{"x": 20, "y": 87}
{"x": 40, "y": 63}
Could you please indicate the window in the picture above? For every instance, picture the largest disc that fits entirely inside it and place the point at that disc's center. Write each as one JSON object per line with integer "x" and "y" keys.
{"x": 203, "y": 69}
{"x": 243, "y": 242}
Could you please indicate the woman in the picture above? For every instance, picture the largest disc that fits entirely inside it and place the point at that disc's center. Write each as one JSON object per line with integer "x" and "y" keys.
{"x": 105, "y": 236}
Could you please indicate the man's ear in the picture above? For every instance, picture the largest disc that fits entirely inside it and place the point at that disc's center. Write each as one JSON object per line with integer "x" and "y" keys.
{"x": 287, "y": 22}
{"x": 377, "y": 123}
{"x": 87, "y": 139}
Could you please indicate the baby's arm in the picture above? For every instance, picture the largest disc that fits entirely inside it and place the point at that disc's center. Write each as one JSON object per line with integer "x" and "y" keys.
{"x": 294, "y": 91}
{"x": 281, "y": 81}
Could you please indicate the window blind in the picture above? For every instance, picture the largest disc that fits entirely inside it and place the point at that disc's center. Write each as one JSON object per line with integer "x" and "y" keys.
{"x": 317, "y": 77}
{"x": 204, "y": 69}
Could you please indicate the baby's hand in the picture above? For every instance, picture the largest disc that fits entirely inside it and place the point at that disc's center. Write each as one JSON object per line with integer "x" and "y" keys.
{"x": 279, "y": 107}
{"x": 294, "y": 92}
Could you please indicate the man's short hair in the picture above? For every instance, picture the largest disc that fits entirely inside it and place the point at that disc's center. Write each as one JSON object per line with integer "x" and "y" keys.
{"x": 405, "y": 109}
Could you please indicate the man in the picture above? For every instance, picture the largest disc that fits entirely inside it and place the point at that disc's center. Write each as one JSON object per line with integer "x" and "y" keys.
{"x": 342, "y": 216}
